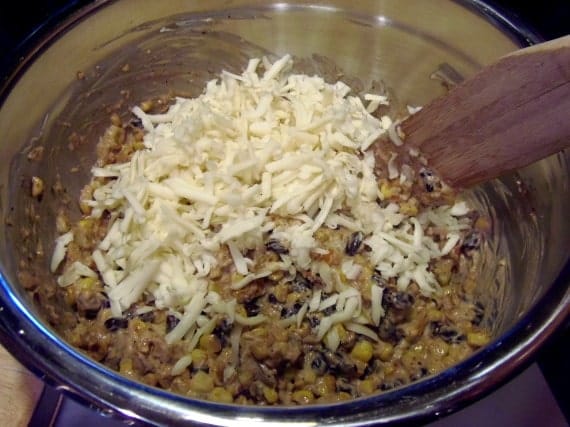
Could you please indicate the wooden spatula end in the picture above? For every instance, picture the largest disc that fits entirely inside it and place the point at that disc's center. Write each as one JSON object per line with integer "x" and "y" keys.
{"x": 510, "y": 114}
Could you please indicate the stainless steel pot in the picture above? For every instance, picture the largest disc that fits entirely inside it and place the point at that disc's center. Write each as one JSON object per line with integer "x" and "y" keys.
{"x": 174, "y": 47}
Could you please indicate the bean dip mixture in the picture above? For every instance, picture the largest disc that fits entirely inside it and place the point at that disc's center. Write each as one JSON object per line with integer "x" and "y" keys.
{"x": 256, "y": 245}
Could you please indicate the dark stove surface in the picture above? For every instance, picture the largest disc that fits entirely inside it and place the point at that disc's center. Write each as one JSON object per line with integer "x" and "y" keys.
{"x": 537, "y": 397}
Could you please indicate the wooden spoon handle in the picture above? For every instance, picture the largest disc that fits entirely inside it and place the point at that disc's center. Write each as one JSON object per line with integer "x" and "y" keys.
{"x": 510, "y": 114}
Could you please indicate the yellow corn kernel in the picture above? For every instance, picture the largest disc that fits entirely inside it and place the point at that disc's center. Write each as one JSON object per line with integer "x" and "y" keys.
{"x": 270, "y": 395}
{"x": 281, "y": 291}
{"x": 442, "y": 270}
{"x": 409, "y": 207}
{"x": 477, "y": 339}
{"x": 341, "y": 331}
{"x": 307, "y": 376}
{"x": 201, "y": 382}
{"x": 386, "y": 190}
{"x": 386, "y": 351}
{"x": 276, "y": 276}
{"x": 146, "y": 106}
{"x": 325, "y": 385}
{"x": 219, "y": 394}
{"x": 303, "y": 396}
{"x": 138, "y": 325}
{"x": 245, "y": 377}
{"x": 362, "y": 351}
{"x": 86, "y": 283}
{"x": 199, "y": 356}
{"x": 434, "y": 315}
{"x": 366, "y": 387}
{"x": 126, "y": 367}
{"x": 210, "y": 344}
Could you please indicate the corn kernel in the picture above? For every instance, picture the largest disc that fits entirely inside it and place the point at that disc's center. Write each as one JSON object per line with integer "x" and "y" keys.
{"x": 307, "y": 376}
{"x": 210, "y": 344}
{"x": 86, "y": 283}
{"x": 201, "y": 382}
{"x": 385, "y": 190}
{"x": 362, "y": 351}
{"x": 303, "y": 396}
{"x": 477, "y": 339}
{"x": 219, "y": 394}
{"x": 146, "y": 106}
{"x": 199, "y": 356}
{"x": 270, "y": 395}
{"x": 409, "y": 207}
{"x": 325, "y": 385}
{"x": 366, "y": 387}
{"x": 126, "y": 367}
{"x": 386, "y": 351}
{"x": 434, "y": 315}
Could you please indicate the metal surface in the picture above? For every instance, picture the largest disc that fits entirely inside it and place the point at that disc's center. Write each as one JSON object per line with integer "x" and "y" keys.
{"x": 175, "y": 47}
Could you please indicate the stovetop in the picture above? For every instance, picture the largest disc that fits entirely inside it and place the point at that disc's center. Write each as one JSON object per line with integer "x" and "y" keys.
{"x": 536, "y": 397}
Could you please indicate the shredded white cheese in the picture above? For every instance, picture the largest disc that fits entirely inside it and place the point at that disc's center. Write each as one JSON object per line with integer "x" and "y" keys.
{"x": 217, "y": 171}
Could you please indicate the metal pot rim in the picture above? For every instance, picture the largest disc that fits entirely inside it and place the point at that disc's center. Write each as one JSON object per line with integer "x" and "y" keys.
{"x": 57, "y": 363}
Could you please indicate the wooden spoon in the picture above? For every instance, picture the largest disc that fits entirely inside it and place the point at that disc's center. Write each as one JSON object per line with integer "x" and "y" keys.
{"x": 510, "y": 114}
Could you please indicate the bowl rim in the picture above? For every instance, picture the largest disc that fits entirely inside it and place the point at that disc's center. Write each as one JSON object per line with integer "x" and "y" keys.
{"x": 69, "y": 371}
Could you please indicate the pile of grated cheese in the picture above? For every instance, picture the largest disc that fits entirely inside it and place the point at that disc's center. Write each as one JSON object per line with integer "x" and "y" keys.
{"x": 267, "y": 152}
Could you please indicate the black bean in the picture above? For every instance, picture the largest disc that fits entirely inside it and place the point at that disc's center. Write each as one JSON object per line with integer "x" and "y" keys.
{"x": 318, "y": 363}
{"x": 91, "y": 313}
{"x": 252, "y": 308}
{"x": 300, "y": 283}
{"x": 478, "y": 313}
{"x": 115, "y": 323}
{"x": 378, "y": 279}
{"x": 389, "y": 385}
{"x": 329, "y": 310}
{"x": 397, "y": 300}
{"x": 471, "y": 242}
{"x": 339, "y": 365}
{"x": 354, "y": 243}
{"x": 136, "y": 123}
{"x": 373, "y": 366}
{"x": 446, "y": 333}
{"x": 130, "y": 313}
{"x": 272, "y": 299}
{"x": 147, "y": 317}
{"x": 388, "y": 331}
{"x": 430, "y": 180}
{"x": 222, "y": 331}
{"x": 314, "y": 320}
{"x": 342, "y": 385}
{"x": 267, "y": 375}
{"x": 105, "y": 303}
{"x": 171, "y": 322}
{"x": 292, "y": 310}
{"x": 276, "y": 246}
